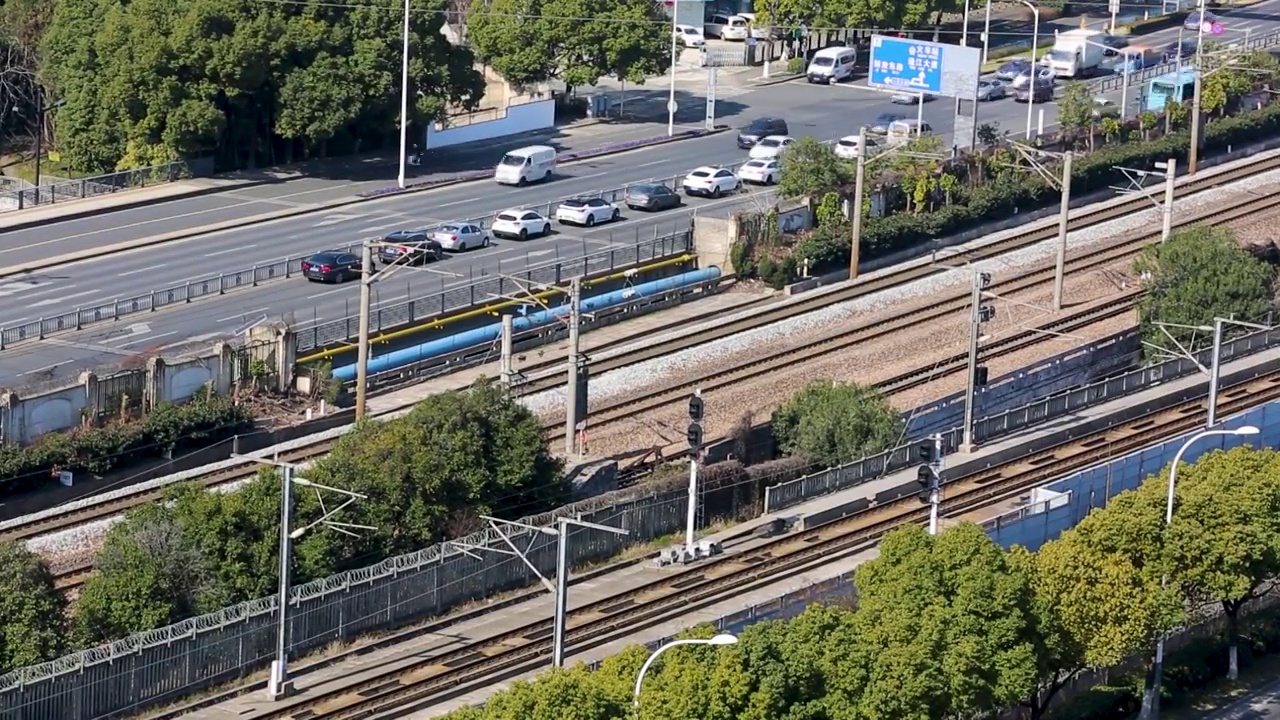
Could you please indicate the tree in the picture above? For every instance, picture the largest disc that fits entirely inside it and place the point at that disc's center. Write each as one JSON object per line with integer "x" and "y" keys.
{"x": 31, "y": 609}
{"x": 576, "y": 41}
{"x": 811, "y": 169}
{"x": 251, "y": 83}
{"x": 1075, "y": 108}
{"x": 830, "y": 423}
{"x": 454, "y": 455}
{"x": 1198, "y": 274}
{"x": 1224, "y": 542}
{"x": 149, "y": 574}
{"x": 1059, "y": 655}
{"x": 945, "y": 627}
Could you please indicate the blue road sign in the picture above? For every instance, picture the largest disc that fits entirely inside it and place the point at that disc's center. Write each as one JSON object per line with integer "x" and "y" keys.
{"x": 902, "y": 64}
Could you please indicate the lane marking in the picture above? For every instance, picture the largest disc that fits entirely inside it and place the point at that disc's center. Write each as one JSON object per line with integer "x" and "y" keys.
{"x": 142, "y": 270}
{"x": 62, "y": 299}
{"x": 228, "y": 251}
{"x": 148, "y": 338}
{"x": 241, "y": 315}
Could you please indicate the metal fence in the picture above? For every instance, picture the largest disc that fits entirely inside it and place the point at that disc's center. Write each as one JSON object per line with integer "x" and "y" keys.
{"x": 789, "y": 494}
{"x": 1141, "y": 77}
{"x": 52, "y": 193}
{"x": 160, "y": 665}
{"x": 493, "y": 289}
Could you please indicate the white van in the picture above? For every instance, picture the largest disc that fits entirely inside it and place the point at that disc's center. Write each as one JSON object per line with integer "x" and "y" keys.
{"x": 901, "y": 131}
{"x": 832, "y": 64}
{"x": 526, "y": 165}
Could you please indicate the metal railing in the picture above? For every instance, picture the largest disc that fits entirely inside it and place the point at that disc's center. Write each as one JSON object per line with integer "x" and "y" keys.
{"x": 493, "y": 289}
{"x": 789, "y": 494}
{"x": 65, "y": 191}
{"x": 1141, "y": 77}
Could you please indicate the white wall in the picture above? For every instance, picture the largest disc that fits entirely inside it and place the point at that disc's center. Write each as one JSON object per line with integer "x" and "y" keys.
{"x": 530, "y": 116}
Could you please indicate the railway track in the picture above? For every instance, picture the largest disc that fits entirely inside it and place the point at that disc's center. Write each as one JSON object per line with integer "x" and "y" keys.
{"x": 612, "y": 413}
{"x": 437, "y": 677}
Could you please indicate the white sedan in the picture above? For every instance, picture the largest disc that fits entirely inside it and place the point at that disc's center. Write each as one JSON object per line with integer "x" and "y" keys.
{"x": 587, "y": 211}
{"x": 522, "y": 224}
{"x": 771, "y": 147}
{"x": 849, "y": 148}
{"x": 764, "y": 172}
{"x": 710, "y": 181}
{"x": 689, "y": 35}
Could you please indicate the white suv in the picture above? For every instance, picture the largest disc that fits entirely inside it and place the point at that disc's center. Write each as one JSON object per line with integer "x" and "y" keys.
{"x": 587, "y": 211}
{"x": 762, "y": 171}
{"x": 522, "y": 224}
{"x": 710, "y": 181}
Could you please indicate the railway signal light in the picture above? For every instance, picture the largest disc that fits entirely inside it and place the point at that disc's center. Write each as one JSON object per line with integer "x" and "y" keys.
{"x": 694, "y": 434}
{"x": 924, "y": 451}
{"x": 695, "y": 408}
{"x": 980, "y": 376}
{"x": 984, "y": 280}
{"x": 986, "y": 313}
{"x": 926, "y": 477}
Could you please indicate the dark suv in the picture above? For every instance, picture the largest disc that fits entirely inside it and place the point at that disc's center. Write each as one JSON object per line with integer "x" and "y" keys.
{"x": 759, "y": 129}
{"x": 416, "y": 245}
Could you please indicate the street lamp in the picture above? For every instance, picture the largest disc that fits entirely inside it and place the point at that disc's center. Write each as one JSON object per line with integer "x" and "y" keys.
{"x": 1151, "y": 699}
{"x": 404, "y": 98}
{"x": 721, "y": 640}
{"x": 675, "y": 55}
{"x": 1035, "y": 45}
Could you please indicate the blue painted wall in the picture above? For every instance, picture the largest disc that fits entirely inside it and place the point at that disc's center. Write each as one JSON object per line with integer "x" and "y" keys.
{"x": 1092, "y": 488}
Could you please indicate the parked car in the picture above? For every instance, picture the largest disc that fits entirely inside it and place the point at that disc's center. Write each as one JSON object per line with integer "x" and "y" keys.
{"x": 762, "y": 171}
{"x": 1104, "y": 108}
{"x": 1179, "y": 50}
{"x": 1195, "y": 19}
{"x": 651, "y": 197}
{"x": 1042, "y": 73}
{"x": 1012, "y": 69}
{"x": 587, "y": 211}
{"x": 1039, "y": 92}
{"x": 909, "y": 98}
{"x": 883, "y": 121}
{"x": 333, "y": 266}
{"x": 460, "y": 237}
{"x": 519, "y": 224}
{"x": 409, "y": 247}
{"x": 710, "y": 181}
{"x": 991, "y": 89}
{"x": 771, "y": 147}
{"x": 761, "y": 128}
{"x": 689, "y": 35}
{"x": 850, "y": 147}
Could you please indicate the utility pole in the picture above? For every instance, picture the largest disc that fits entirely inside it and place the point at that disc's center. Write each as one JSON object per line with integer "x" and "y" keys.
{"x": 571, "y": 406}
{"x": 562, "y": 592}
{"x": 855, "y": 212}
{"x": 280, "y": 686}
{"x": 508, "y": 328}
{"x": 1170, "y": 175}
{"x": 978, "y": 314}
{"x": 1193, "y": 154}
{"x": 1215, "y": 364}
{"x": 696, "y": 412}
{"x": 1060, "y": 270}
{"x": 362, "y": 351}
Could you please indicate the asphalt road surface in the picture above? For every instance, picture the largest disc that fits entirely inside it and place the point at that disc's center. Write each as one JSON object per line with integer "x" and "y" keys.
{"x": 1260, "y": 704}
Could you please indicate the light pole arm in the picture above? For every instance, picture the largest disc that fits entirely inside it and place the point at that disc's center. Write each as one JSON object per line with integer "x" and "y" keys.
{"x": 649, "y": 663}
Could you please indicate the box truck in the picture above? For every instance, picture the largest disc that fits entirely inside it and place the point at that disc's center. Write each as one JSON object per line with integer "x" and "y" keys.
{"x": 1076, "y": 53}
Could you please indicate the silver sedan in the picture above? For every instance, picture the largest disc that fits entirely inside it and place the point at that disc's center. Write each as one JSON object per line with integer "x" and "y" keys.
{"x": 461, "y": 237}
{"x": 991, "y": 90}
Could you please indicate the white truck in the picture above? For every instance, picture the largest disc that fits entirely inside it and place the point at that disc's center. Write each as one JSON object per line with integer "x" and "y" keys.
{"x": 1076, "y": 53}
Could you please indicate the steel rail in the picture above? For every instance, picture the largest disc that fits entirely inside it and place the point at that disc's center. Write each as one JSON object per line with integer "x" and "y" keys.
{"x": 238, "y": 473}
{"x": 440, "y": 676}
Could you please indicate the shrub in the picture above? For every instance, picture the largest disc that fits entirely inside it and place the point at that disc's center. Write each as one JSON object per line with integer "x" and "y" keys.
{"x": 168, "y": 428}
{"x": 795, "y": 65}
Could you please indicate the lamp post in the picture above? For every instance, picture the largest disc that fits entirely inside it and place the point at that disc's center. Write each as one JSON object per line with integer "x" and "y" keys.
{"x": 675, "y": 55}
{"x": 1035, "y": 44}
{"x": 1151, "y": 698}
{"x": 986, "y": 34}
{"x": 404, "y": 98}
{"x": 720, "y": 640}
{"x": 1215, "y": 367}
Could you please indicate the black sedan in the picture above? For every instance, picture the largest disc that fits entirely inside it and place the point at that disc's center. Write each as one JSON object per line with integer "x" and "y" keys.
{"x": 334, "y": 266}
{"x": 409, "y": 247}
{"x": 651, "y": 197}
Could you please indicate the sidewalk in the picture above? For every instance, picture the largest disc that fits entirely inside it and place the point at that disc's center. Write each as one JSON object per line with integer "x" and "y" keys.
{"x": 601, "y": 585}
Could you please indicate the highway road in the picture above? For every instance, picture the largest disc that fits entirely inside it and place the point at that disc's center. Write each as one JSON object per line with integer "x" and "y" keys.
{"x": 819, "y": 111}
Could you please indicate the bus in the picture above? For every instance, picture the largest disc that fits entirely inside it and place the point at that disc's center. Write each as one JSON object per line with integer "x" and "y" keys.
{"x": 1175, "y": 86}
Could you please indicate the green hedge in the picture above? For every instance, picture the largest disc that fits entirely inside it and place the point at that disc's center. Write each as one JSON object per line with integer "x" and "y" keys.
{"x": 1191, "y": 668}
{"x": 1096, "y": 171}
{"x": 169, "y": 428}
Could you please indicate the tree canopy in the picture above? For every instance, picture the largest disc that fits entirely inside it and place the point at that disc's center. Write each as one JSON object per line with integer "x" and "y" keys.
{"x": 576, "y": 41}
{"x": 31, "y": 610}
{"x": 1200, "y": 273}
{"x": 148, "y": 81}
{"x": 792, "y": 14}
{"x": 831, "y": 423}
{"x": 811, "y": 169}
